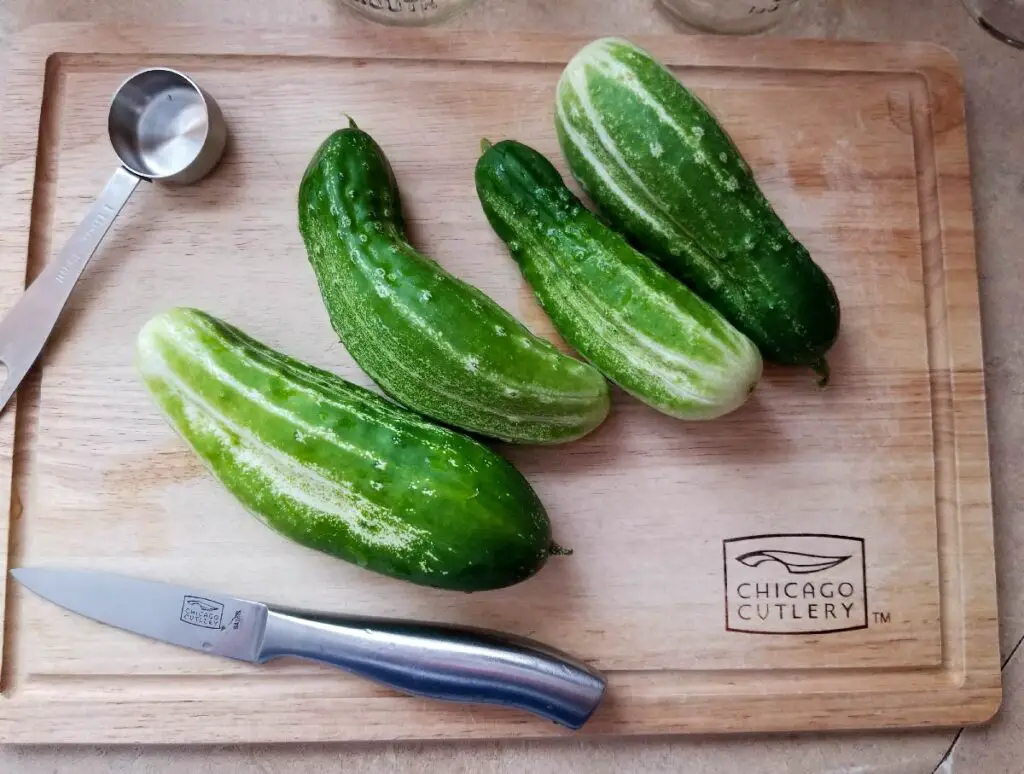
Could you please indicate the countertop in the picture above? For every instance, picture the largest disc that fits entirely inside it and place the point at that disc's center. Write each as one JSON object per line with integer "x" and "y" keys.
{"x": 995, "y": 104}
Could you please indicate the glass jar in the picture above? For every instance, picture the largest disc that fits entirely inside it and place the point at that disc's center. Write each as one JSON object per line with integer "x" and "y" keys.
{"x": 407, "y": 13}
{"x": 1002, "y": 19}
{"x": 732, "y": 17}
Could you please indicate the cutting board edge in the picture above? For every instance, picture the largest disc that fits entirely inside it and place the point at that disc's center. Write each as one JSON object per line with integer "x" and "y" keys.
{"x": 937, "y": 63}
{"x": 401, "y": 719}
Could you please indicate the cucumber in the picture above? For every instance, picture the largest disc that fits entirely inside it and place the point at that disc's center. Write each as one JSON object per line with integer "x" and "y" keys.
{"x": 339, "y": 469}
{"x": 642, "y": 328}
{"x": 429, "y": 340}
{"x": 663, "y": 171}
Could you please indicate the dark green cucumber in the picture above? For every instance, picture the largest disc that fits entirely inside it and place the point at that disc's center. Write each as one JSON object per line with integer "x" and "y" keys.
{"x": 644, "y": 329}
{"x": 663, "y": 171}
{"x": 429, "y": 340}
{"x": 339, "y": 469}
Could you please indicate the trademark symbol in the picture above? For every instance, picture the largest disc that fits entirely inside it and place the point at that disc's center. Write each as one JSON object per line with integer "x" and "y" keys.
{"x": 882, "y": 617}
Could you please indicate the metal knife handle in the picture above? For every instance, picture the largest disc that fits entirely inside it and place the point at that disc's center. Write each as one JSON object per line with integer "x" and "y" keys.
{"x": 27, "y": 326}
{"x": 442, "y": 662}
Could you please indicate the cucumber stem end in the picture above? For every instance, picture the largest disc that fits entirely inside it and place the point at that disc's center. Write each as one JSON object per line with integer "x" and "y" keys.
{"x": 822, "y": 370}
{"x": 485, "y": 144}
{"x": 556, "y": 550}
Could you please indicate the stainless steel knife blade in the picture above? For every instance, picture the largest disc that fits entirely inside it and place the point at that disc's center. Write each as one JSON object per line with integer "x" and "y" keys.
{"x": 200, "y": 620}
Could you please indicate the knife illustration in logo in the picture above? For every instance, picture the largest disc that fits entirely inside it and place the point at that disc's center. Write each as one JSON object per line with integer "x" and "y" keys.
{"x": 796, "y": 562}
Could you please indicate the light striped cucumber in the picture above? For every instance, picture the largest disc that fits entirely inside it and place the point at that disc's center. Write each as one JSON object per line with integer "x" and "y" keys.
{"x": 339, "y": 469}
{"x": 643, "y": 329}
{"x": 431, "y": 341}
{"x": 664, "y": 172}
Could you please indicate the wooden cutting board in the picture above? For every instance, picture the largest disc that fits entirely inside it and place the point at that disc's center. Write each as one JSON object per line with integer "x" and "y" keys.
{"x": 821, "y": 559}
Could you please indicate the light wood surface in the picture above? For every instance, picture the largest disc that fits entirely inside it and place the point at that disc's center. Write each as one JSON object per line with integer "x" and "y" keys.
{"x": 862, "y": 150}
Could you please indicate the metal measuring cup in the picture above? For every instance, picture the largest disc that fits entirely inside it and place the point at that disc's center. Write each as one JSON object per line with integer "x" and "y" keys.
{"x": 163, "y": 128}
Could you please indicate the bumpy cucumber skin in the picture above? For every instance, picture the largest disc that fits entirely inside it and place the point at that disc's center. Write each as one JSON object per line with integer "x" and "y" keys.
{"x": 663, "y": 171}
{"x": 430, "y": 341}
{"x": 339, "y": 469}
{"x": 641, "y": 327}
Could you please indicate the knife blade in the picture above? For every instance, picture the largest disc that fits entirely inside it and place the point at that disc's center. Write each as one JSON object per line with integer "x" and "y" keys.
{"x": 438, "y": 661}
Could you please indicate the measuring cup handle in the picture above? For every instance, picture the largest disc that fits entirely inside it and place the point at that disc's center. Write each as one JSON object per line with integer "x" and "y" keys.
{"x": 27, "y": 326}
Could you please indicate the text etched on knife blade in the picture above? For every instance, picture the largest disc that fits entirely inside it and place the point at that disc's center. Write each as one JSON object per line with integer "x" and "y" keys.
{"x": 199, "y": 611}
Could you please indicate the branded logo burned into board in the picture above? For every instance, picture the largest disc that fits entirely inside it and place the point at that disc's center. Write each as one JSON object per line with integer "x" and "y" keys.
{"x": 795, "y": 584}
{"x": 200, "y": 611}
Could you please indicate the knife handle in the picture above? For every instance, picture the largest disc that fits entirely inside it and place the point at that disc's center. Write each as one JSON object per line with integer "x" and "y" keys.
{"x": 438, "y": 661}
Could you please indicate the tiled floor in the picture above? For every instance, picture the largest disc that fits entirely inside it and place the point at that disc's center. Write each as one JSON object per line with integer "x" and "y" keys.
{"x": 996, "y": 115}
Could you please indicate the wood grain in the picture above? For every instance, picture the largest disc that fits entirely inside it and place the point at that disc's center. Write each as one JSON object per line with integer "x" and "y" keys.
{"x": 862, "y": 150}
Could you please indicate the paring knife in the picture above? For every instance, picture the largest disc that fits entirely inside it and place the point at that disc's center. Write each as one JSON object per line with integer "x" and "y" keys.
{"x": 424, "y": 659}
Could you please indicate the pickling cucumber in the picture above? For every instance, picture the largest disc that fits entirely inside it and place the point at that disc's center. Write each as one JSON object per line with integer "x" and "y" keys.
{"x": 339, "y": 469}
{"x": 429, "y": 340}
{"x": 641, "y": 327}
{"x": 663, "y": 171}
